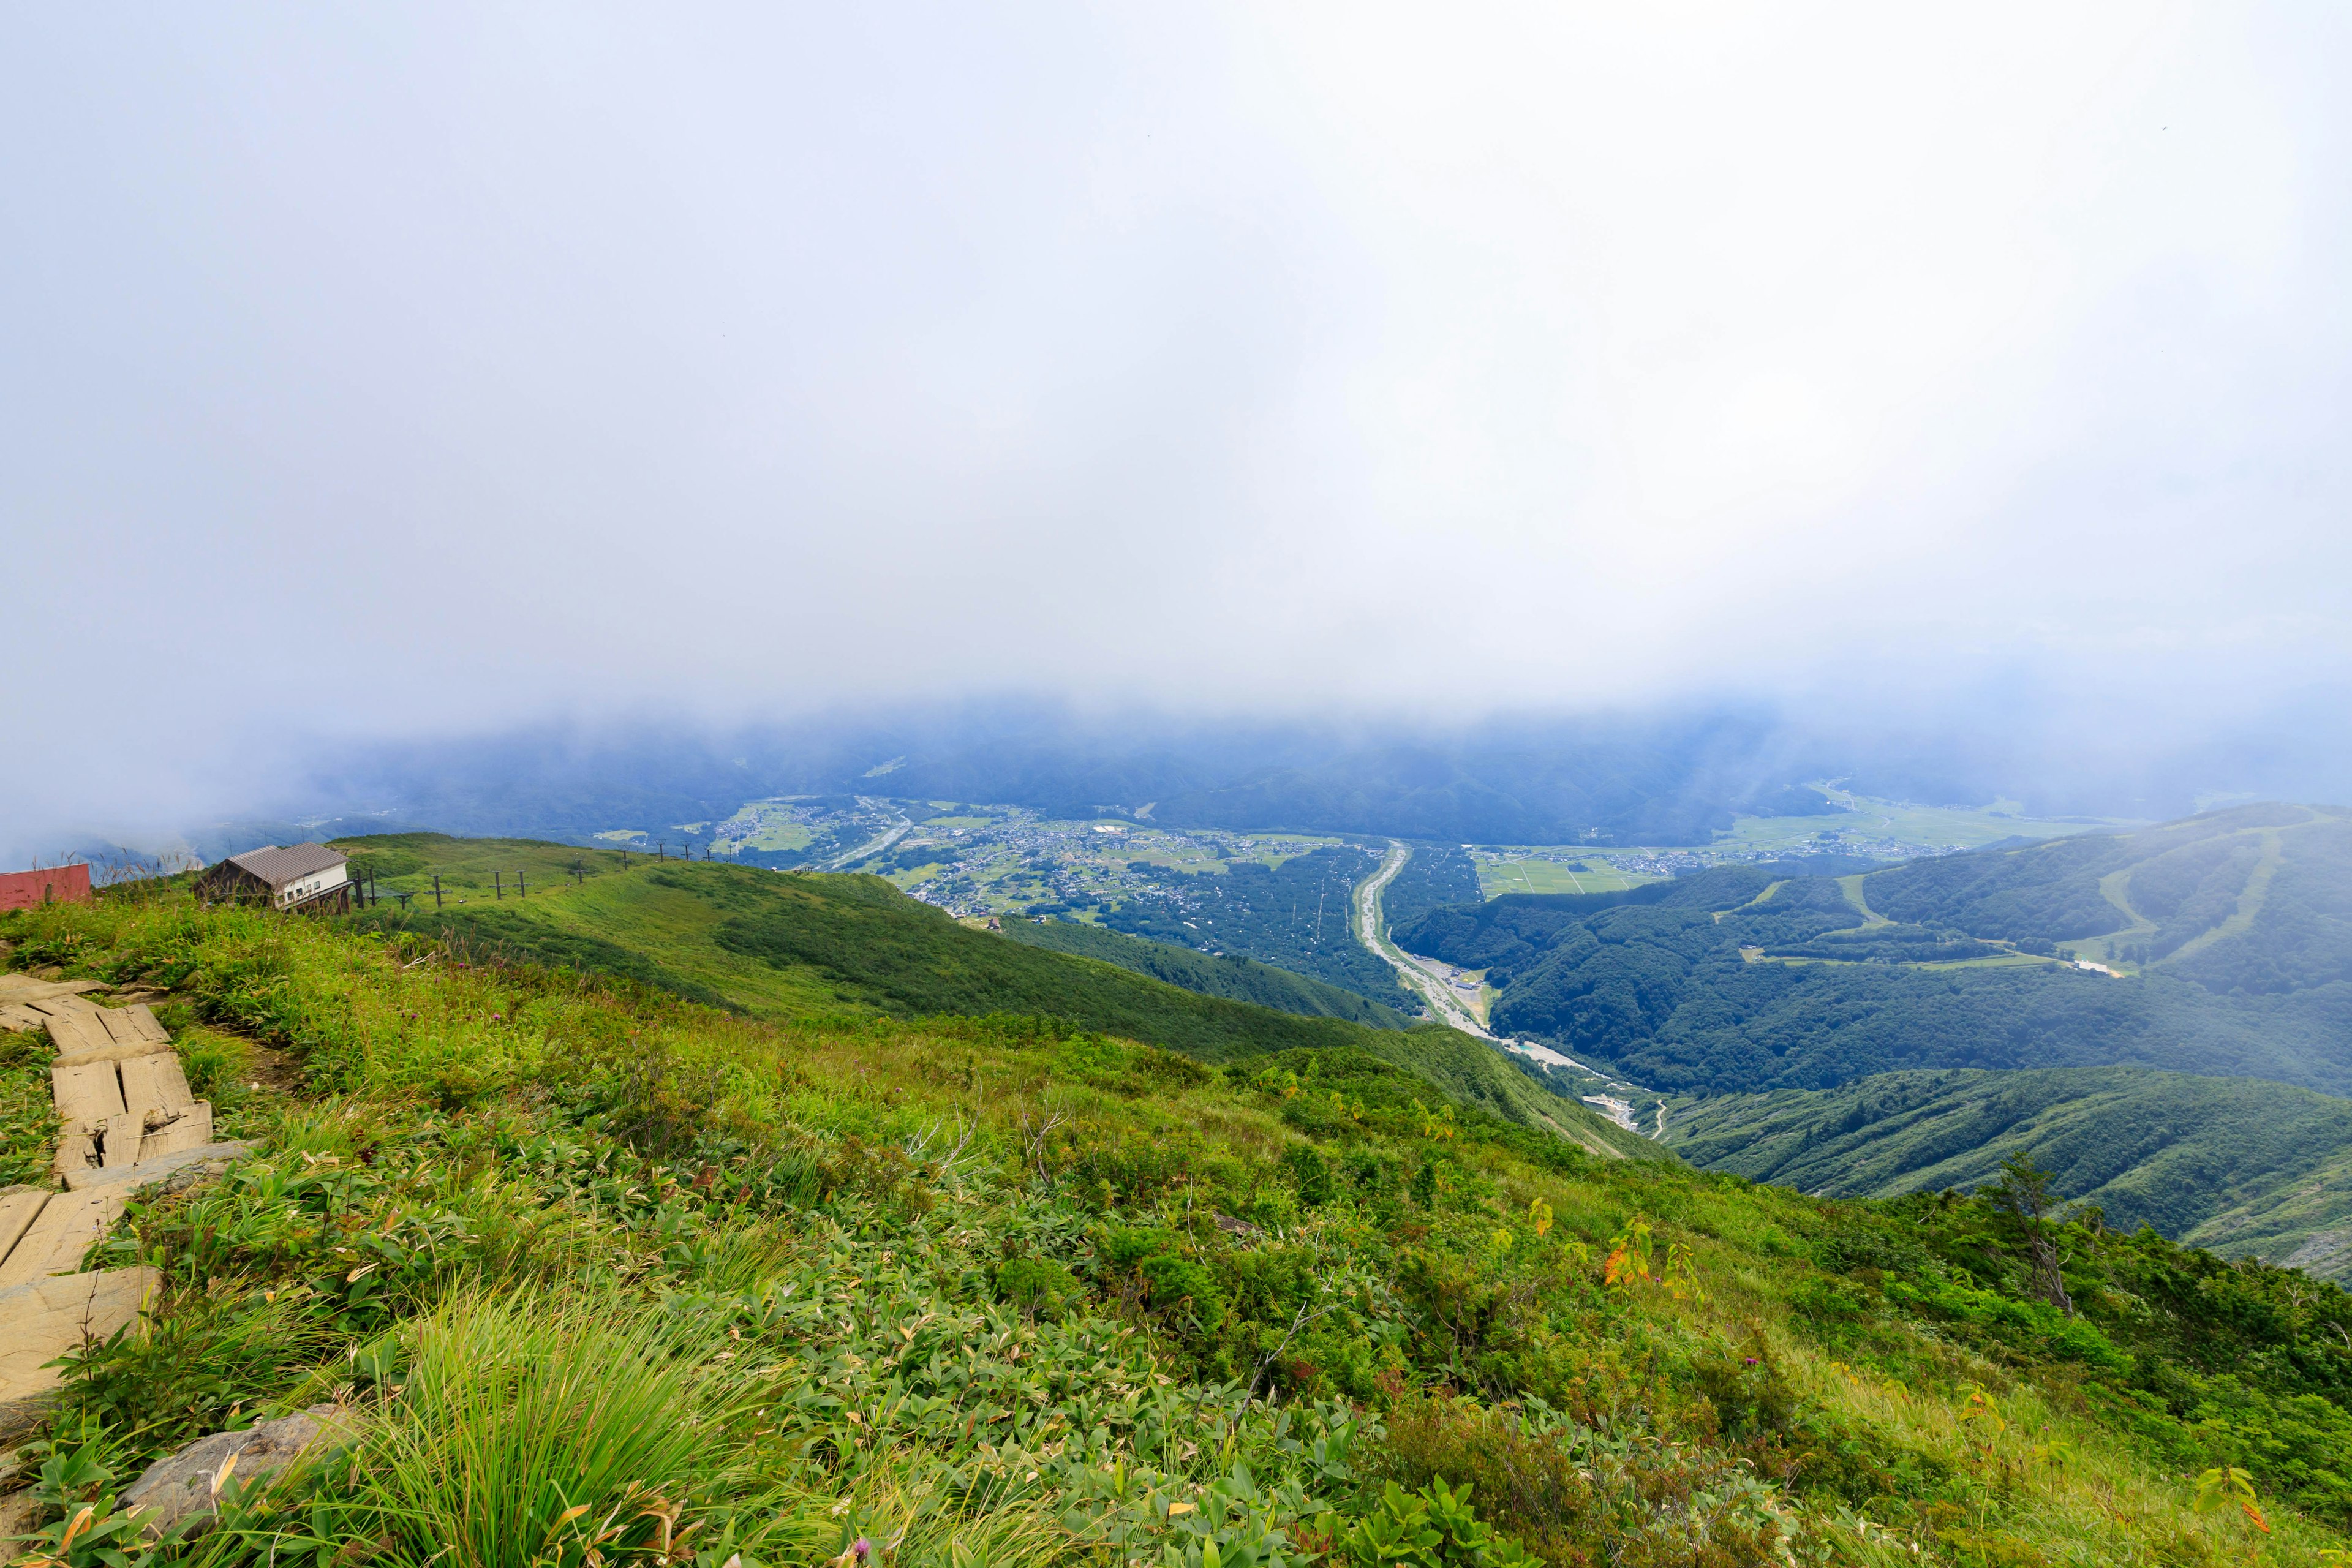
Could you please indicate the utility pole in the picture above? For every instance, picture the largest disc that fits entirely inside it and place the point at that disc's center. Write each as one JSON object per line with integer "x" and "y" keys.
{"x": 436, "y": 889}
{"x": 523, "y": 889}
{"x": 498, "y": 884}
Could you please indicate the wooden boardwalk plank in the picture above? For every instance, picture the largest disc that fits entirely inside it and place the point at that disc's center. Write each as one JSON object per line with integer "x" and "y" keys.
{"x": 18, "y": 1206}
{"x": 120, "y": 1142}
{"x": 154, "y": 1082}
{"x": 40, "y": 1319}
{"x": 76, "y": 1028}
{"x": 61, "y": 1233}
{"x": 110, "y": 1053}
{"x": 192, "y": 1131}
{"x": 76, "y": 1151}
{"x": 87, "y": 1095}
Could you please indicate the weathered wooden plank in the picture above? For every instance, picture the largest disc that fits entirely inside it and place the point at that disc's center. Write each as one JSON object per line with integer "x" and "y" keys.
{"x": 110, "y": 1053}
{"x": 18, "y": 1206}
{"x": 146, "y": 1025}
{"x": 119, "y": 1026}
{"x": 87, "y": 1095}
{"x": 90, "y": 1179}
{"x": 154, "y": 1082}
{"x": 120, "y": 1142}
{"x": 16, "y": 1016}
{"x": 192, "y": 1131}
{"x": 76, "y": 1153}
{"x": 40, "y": 1319}
{"x": 61, "y": 1233}
{"x": 18, "y": 987}
{"x": 76, "y": 1029}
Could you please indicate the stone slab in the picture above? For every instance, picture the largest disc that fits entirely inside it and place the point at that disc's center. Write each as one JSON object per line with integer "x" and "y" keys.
{"x": 40, "y": 1319}
{"x": 61, "y": 1233}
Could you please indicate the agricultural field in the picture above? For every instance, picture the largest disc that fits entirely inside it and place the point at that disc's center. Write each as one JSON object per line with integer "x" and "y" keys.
{"x": 1868, "y": 828}
{"x": 1505, "y": 870}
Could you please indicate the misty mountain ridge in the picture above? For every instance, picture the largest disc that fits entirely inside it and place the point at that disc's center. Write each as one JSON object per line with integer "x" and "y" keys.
{"x": 1670, "y": 776}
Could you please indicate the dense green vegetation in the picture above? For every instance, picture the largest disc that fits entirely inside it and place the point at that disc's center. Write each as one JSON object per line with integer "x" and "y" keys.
{"x": 767, "y": 944}
{"x": 2229, "y": 1163}
{"x": 2254, "y": 900}
{"x": 1294, "y": 916}
{"x": 1236, "y": 979}
{"x": 1728, "y": 982}
{"x": 1434, "y": 876}
{"x": 608, "y": 1276}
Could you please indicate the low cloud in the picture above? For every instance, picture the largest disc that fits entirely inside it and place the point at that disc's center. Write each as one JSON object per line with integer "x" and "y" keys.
{"x": 428, "y": 373}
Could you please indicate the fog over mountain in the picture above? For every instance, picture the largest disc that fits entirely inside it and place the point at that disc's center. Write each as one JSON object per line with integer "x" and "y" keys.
{"x": 395, "y": 404}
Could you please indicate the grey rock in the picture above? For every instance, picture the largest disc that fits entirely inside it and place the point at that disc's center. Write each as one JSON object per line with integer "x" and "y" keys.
{"x": 177, "y": 1491}
{"x": 18, "y": 1514}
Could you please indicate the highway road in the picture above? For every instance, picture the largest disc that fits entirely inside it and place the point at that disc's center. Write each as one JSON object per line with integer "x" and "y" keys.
{"x": 1372, "y": 930}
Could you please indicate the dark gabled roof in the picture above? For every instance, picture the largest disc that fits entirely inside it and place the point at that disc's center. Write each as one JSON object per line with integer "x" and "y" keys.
{"x": 278, "y": 866}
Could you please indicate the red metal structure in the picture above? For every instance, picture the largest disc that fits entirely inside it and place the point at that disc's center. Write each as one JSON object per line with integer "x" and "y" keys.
{"x": 50, "y": 885}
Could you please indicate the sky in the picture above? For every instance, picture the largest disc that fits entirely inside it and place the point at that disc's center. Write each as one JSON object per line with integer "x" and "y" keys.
{"x": 382, "y": 372}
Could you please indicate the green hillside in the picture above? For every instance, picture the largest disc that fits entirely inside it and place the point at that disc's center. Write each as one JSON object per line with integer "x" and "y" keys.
{"x": 2246, "y": 1167}
{"x": 770, "y": 943}
{"x": 2232, "y": 934}
{"x": 2256, "y": 900}
{"x": 1235, "y": 979}
{"x": 600, "y": 1274}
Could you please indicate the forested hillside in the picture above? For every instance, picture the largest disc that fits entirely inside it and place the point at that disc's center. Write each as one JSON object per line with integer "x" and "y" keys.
{"x": 2247, "y": 1167}
{"x": 1294, "y": 916}
{"x": 1235, "y": 979}
{"x": 591, "y": 1273}
{"x": 1434, "y": 876}
{"x": 1732, "y": 980}
{"x": 2254, "y": 900}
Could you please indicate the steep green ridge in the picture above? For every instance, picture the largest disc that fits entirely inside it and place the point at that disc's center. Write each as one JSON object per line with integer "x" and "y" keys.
{"x": 768, "y": 942}
{"x": 1730, "y": 982}
{"x": 2247, "y": 1167}
{"x": 2257, "y": 899}
{"x": 600, "y": 1274}
{"x": 1235, "y": 979}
